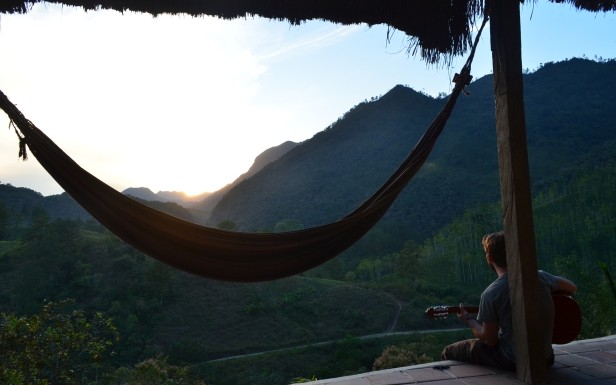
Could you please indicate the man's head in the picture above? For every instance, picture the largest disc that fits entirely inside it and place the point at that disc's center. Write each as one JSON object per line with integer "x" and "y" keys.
{"x": 494, "y": 246}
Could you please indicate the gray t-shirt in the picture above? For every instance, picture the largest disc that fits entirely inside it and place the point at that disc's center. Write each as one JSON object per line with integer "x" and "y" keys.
{"x": 495, "y": 306}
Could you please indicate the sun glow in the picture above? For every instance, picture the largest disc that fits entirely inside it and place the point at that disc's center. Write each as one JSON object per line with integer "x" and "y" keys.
{"x": 176, "y": 103}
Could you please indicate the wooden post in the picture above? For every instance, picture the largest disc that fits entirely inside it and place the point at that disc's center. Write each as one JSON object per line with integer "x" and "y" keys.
{"x": 515, "y": 189}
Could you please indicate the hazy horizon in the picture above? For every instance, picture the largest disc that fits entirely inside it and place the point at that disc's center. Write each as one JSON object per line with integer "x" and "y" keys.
{"x": 177, "y": 103}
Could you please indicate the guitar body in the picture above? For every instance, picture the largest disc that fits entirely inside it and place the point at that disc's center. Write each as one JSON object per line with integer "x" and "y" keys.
{"x": 567, "y": 316}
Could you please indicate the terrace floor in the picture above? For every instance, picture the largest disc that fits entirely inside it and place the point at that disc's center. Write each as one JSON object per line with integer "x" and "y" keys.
{"x": 591, "y": 362}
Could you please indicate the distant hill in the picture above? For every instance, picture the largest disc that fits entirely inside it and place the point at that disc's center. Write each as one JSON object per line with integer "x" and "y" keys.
{"x": 203, "y": 203}
{"x": 568, "y": 110}
{"x": 23, "y": 202}
{"x": 569, "y": 107}
{"x": 20, "y": 203}
{"x": 266, "y": 157}
{"x": 171, "y": 208}
{"x": 160, "y": 311}
{"x": 181, "y": 197}
{"x": 141, "y": 193}
{"x": 63, "y": 206}
{"x": 164, "y": 196}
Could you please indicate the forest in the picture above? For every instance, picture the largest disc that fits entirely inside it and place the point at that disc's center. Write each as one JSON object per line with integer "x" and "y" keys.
{"x": 72, "y": 292}
{"x": 79, "y": 306}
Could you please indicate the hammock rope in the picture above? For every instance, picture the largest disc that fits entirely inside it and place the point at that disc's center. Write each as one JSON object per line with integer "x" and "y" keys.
{"x": 215, "y": 253}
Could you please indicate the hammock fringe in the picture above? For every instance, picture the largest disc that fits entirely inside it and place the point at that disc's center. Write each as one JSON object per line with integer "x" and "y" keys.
{"x": 23, "y": 152}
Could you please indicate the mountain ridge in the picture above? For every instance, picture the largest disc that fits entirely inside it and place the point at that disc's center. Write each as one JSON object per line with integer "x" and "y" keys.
{"x": 364, "y": 146}
{"x": 323, "y": 178}
{"x": 205, "y": 201}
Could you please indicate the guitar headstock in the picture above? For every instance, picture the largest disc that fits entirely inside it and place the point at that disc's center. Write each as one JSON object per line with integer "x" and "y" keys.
{"x": 440, "y": 312}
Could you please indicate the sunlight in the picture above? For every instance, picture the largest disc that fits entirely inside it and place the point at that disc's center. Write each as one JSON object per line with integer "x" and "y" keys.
{"x": 172, "y": 103}
{"x": 177, "y": 103}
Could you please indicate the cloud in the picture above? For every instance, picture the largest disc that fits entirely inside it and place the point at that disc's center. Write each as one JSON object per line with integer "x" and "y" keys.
{"x": 323, "y": 37}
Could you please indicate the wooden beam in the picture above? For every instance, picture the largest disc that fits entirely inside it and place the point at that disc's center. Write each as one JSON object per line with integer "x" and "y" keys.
{"x": 515, "y": 189}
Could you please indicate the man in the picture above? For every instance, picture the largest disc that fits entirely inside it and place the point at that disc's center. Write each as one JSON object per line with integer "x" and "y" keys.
{"x": 493, "y": 344}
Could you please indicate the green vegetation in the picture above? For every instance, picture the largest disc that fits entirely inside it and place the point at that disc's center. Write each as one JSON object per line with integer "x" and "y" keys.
{"x": 132, "y": 320}
{"x": 342, "y": 357}
{"x": 54, "y": 347}
{"x": 153, "y": 371}
{"x": 568, "y": 113}
{"x": 188, "y": 325}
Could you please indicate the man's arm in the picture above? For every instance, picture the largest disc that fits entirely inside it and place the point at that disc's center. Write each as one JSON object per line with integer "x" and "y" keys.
{"x": 486, "y": 332}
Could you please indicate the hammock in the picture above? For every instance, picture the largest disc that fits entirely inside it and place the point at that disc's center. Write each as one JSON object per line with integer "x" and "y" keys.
{"x": 215, "y": 253}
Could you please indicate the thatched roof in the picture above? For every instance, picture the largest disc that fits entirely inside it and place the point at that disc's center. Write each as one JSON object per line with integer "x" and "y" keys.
{"x": 436, "y": 28}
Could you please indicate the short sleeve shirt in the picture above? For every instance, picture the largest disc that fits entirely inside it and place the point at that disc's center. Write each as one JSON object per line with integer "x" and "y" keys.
{"x": 495, "y": 306}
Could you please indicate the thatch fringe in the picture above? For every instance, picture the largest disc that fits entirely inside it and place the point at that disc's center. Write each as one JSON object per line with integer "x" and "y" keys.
{"x": 591, "y": 5}
{"x": 437, "y": 29}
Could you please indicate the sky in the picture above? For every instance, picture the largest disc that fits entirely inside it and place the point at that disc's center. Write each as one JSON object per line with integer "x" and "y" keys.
{"x": 176, "y": 103}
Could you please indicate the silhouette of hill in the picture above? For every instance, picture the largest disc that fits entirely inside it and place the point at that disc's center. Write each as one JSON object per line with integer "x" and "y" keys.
{"x": 23, "y": 202}
{"x": 569, "y": 112}
{"x": 266, "y": 157}
{"x": 178, "y": 197}
{"x": 142, "y": 193}
{"x": 192, "y": 320}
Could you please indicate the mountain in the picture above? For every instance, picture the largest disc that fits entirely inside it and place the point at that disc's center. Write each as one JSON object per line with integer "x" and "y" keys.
{"x": 141, "y": 193}
{"x": 203, "y": 203}
{"x": 568, "y": 113}
{"x": 63, "y": 206}
{"x": 163, "y": 312}
{"x": 23, "y": 202}
{"x": 19, "y": 203}
{"x": 23, "y": 205}
{"x": 181, "y": 198}
{"x": 165, "y": 196}
{"x": 266, "y": 157}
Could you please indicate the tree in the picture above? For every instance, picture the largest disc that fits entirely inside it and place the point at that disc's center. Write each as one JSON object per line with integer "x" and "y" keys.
{"x": 4, "y": 220}
{"x": 288, "y": 225}
{"x": 153, "y": 371}
{"x": 395, "y": 357}
{"x": 227, "y": 225}
{"x": 406, "y": 354}
{"x": 54, "y": 347}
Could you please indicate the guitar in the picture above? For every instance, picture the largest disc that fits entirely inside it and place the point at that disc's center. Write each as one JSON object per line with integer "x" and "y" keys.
{"x": 567, "y": 316}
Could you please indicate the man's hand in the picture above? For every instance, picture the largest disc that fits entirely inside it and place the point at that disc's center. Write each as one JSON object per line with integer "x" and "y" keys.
{"x": 487, "y": 332}
{"x": 463, "y": 314}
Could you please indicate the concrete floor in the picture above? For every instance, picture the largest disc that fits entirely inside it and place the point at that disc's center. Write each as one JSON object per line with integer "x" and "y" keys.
{"x": 580, "y": 362}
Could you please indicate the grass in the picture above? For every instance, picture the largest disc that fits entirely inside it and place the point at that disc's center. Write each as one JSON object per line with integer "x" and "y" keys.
{"x": 345, "y": 357}
{"x": 7, "y": 246}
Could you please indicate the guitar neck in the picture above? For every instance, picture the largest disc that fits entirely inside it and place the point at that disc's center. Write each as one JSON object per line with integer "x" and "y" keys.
{"x": 444, "y": 311}
{"x": 567, "y": 316}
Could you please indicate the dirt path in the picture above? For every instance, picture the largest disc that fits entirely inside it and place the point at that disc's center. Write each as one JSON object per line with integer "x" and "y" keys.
{"x": 394, "y": 322}
{"x": 325, "y": 343}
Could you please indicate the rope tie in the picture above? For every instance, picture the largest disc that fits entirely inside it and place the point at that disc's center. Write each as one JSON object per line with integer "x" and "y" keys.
{"x": 23, "y": 151}
{"x": 464, "y": 77}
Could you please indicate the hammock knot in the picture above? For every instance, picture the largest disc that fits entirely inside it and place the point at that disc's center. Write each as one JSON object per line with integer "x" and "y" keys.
{"x": 463, "y": 79}
{"x": 23, "y": 152}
